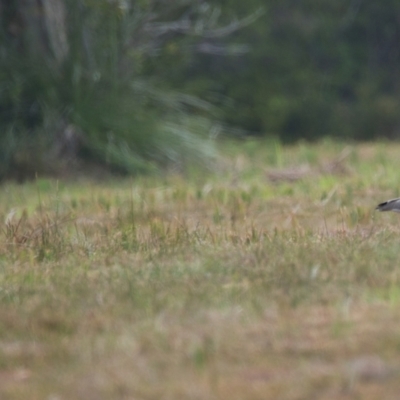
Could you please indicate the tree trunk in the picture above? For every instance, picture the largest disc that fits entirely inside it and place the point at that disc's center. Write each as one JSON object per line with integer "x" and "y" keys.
{"x": 39, "y": 26}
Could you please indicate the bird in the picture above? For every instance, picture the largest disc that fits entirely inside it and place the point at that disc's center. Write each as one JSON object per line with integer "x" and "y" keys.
{"x": 390, "y": 205}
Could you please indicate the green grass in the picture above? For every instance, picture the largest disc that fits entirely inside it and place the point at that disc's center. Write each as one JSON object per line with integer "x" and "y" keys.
{"x": 209, "y": 286}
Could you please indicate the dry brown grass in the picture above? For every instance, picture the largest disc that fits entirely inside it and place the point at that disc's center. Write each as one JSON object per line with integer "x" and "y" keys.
{"x": 213, "y": 286}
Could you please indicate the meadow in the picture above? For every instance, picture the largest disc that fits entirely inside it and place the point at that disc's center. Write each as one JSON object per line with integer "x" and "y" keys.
{"x": 268, "y": 276}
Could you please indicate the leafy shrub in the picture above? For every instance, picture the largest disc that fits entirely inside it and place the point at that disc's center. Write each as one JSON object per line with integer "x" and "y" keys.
{"x": 79, "y": 84}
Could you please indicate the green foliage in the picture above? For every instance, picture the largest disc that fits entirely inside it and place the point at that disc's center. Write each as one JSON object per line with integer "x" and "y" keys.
{"x": 314, "y": 68}
{"x": 97, "y": 90}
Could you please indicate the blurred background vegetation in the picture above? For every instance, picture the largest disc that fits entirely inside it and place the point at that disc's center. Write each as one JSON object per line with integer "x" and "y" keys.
{"x": 138, "y": 85}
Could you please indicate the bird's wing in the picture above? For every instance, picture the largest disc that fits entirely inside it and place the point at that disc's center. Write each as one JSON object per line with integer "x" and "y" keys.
{"x": 390, "y": 205}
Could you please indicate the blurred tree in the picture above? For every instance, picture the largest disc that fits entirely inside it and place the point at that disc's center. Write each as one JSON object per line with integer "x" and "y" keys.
{"x": 98, "y": 79}
{"x": 72, "y": 84}
{"x": 313, "y": 68}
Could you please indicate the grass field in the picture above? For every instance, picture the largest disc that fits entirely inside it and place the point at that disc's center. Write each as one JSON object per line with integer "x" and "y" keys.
{"x": 271, "y": 277}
